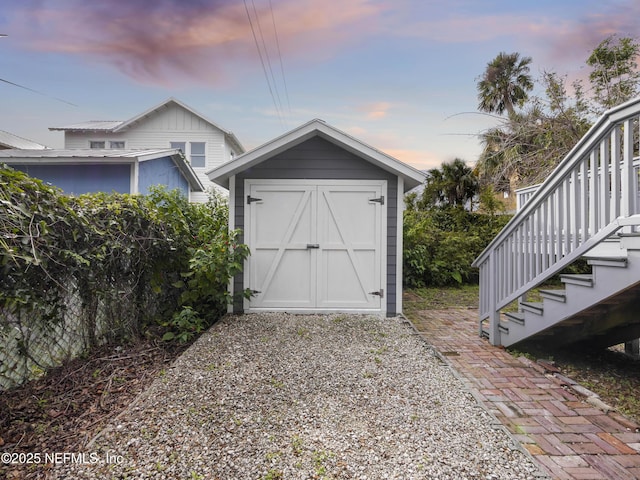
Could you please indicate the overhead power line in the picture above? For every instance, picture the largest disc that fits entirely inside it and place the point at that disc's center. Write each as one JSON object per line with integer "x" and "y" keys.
{"x": 284, "y": 79}
{"x": 36, "y": 91}
{"x": 264, "y": 68}
{"x": 266, "y": 54}
{"x": 265, "y": 59}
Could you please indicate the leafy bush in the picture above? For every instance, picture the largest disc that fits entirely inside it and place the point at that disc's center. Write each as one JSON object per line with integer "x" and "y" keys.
{"x": 441, "y": 244}
{"x": 133, "y": 260}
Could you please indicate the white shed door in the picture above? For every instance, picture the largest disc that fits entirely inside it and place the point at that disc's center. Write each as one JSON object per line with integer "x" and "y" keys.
{"x": 315, "y": 246}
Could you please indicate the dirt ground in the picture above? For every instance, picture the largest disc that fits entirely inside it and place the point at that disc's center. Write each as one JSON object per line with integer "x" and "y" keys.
{"x": 64, "y": 410}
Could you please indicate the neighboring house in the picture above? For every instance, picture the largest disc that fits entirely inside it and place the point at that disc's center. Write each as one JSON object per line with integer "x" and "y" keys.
{"x": 172, "y": 124}
{"x": 81, "y": 171}
{"x": 9, "y": 140}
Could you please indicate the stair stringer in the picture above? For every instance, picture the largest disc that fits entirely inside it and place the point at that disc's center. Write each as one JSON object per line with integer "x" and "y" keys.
{"x": 608, "y": 281}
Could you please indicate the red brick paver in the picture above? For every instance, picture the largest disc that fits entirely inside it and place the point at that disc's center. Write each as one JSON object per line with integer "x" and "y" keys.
{"x": 570, "y": 438}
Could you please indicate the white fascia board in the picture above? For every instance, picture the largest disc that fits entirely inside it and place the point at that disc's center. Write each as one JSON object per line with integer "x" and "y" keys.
{"x": 67, "y": 160}
{"x": 221, "y": 174}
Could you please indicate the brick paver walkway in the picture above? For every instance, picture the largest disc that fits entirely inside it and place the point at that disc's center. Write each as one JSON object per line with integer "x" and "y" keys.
{"x": 569, "y": 437}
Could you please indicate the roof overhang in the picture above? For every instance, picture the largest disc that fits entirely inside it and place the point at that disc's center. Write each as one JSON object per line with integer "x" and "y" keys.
{"x": 411, "y": 176}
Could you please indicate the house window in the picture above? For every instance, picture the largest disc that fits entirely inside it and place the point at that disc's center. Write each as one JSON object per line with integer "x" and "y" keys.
{"x": 96, "y": 144}
{"x": 180, "y": 145}
{"x": 119, "y": 144}
{"x": 198, "y": 158}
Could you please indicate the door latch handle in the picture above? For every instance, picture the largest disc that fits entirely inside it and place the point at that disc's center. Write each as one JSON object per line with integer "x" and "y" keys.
{"x": 313, "y": 245}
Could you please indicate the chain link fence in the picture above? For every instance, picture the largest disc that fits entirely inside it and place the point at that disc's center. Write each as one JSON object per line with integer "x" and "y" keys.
{"x": 29, "y": 346}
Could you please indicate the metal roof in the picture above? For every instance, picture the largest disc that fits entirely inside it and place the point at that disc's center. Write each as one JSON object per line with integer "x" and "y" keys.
{"x": 91, "y": 126}
{"x": 9, "y": 140}
{"x": 75, "y": 156}
{"x": 85, "y": 153}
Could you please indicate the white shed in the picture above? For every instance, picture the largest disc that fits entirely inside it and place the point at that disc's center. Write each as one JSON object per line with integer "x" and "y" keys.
{"x": 322, "y": 215}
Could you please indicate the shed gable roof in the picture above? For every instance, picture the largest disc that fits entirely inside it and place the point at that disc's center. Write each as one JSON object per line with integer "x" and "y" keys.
{"x": 412, "y": 177}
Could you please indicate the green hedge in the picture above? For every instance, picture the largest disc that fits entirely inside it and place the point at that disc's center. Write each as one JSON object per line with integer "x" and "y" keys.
{"x": 441, "y": 244}
{"x": 157, "y": 253}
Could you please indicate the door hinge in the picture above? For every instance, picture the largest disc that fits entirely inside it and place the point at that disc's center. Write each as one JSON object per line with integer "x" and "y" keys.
{"x": 379, "y": 200}
{"x": 380, "y": 293}
{"x": 251, "y": 199}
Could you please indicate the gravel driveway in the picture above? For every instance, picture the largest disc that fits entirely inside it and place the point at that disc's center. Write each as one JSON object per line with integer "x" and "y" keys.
{"x": 277, "y": 396}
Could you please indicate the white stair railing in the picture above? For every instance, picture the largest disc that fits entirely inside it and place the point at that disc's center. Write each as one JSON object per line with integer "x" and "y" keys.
{"x": 582, "y": 202}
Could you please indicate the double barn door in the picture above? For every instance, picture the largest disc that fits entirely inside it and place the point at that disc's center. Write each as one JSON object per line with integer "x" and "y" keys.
{"x": 315, "y": 245}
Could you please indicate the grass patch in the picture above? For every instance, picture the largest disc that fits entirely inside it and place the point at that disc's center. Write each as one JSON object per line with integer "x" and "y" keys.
{"x": 435, "y": 298}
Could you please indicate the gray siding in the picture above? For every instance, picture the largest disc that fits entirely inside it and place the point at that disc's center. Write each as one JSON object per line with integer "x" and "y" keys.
{"x": 319, "y": 159}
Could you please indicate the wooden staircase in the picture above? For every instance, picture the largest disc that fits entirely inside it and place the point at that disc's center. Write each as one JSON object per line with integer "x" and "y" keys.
{"x": 601, "y": 308}
{"x": 588, "y": 209}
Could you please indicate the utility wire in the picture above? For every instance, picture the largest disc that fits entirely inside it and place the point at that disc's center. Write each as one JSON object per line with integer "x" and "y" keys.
{"x": 284, "y": 79}
{"x": 266, "y": 52}
{"x": 2, "y": 35}
{"x": 36, "y": 91}
{"x": 264, "y": 68}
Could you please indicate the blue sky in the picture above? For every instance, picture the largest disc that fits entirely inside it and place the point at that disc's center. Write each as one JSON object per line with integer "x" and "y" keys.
{"x": 397, "y": 74}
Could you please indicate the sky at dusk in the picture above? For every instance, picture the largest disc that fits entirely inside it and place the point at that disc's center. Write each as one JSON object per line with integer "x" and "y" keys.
{"x": 399, "y": 75}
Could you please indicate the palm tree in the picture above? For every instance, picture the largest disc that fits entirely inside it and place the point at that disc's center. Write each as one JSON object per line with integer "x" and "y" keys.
{"x": 505, "y": 84}
{"x": 460, "y": 183}
{"x": 454, "y": 184}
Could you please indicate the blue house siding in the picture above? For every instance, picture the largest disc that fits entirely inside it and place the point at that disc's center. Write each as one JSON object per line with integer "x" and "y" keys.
{"x": 161, "y": 171}
{"x": 85, "y": 178}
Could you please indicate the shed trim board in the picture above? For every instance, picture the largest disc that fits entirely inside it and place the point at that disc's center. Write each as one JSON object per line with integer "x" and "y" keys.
{"x": 399, "y": 244}
{"x": 310, "y": 254}
{"x": 316, "y": 128}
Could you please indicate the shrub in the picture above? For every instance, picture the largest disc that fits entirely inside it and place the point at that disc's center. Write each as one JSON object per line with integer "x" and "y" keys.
{"x": 124, "y": 264}
{"x": 441, "y": 244}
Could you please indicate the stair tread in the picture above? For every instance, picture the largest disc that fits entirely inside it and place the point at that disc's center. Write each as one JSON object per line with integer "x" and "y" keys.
{"x": 586, "y": 276}
{"x": 516, "y": 317}
{"x": 533, "y": 307}
{"x": 532, "y": 304}
{"x": 611, "y": 258}
{"x": 554, "y": 295}
{"x": 557, "y": 293}
{"x": 577, "y": 278}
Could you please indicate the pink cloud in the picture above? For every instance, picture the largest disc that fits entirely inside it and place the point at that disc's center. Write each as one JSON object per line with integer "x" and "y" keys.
{"x": 422, "y": 160}
{"x": 162, "y": 42}
{"x": 373, "y": 110}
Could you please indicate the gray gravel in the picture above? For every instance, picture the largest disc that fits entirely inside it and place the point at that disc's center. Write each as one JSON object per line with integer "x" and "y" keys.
{"x": 277, "y": 396}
